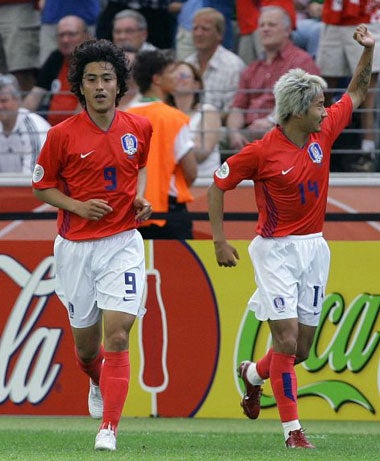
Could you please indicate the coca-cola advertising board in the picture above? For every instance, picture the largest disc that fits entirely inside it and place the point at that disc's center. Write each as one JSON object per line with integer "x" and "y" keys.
{"x": 185, "y": 351}
{"x": 37, "y": 367}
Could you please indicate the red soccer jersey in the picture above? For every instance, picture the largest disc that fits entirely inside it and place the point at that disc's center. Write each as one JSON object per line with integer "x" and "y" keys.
{"x": 291, "y": 183}
{"x": 84, "y": 162}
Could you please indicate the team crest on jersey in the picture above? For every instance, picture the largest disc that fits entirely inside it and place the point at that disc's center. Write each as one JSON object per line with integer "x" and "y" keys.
{"x": 223, "y": 171}
{"x": 279, "y": 304}
{"x": 129, "y": 143}
{"x": 315, "y": 152}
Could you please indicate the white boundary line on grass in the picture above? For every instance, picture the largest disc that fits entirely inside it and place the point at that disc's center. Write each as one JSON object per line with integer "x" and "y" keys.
{"x": 349, "y": 209}
{"x": 14, "y": 224}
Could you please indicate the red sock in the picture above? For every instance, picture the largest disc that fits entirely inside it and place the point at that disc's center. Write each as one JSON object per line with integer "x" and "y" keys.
{"x": 93, "y": 368}
{"x": 114, "y": 383}
{"x": 283, "y": 380}
{"x": 263, "y": 365}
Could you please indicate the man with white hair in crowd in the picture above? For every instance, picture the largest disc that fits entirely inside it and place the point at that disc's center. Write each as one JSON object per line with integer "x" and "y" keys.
{"x": 130, "y": 29}
{"x": 22, "y": 133}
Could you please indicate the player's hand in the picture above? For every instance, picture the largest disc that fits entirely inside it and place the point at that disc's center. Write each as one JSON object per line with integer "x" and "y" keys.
{"x": 143, "y": 209}
{"x": 226, "y": 254}
{"x": 93, "y": 209}
{"x": 364, "y": 37}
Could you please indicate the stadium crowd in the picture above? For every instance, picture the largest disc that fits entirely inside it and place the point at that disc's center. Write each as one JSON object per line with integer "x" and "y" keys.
{"x": 240, "y": 48}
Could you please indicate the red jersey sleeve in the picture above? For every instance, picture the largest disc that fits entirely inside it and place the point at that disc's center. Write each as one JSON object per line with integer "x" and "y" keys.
{"x": 49, "y": 161}
{"x": 239, "y": 167}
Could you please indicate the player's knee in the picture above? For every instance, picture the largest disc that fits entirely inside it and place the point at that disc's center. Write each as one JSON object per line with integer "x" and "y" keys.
{"x": 117, "y": 340}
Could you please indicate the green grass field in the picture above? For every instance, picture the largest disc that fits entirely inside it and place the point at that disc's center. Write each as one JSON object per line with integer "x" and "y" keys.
{"x": 52, "y": 439}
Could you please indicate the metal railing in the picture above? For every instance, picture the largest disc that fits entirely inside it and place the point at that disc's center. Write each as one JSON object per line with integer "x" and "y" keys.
{"x": 347, "y": 146}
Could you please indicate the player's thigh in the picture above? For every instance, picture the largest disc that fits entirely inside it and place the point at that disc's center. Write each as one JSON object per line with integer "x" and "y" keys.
{"x": 277, "y": 283}
{"x": 75, "y": 282}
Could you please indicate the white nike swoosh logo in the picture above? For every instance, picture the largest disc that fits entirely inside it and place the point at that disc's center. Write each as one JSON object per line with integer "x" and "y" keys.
{"x": 287, "y": 171}
{"x": 86, "y": 155}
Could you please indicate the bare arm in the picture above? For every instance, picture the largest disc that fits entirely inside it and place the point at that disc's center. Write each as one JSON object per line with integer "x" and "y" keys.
{"x": 93, "y": 209}
{"x": 358, "y": 86}
{"x": 235, "y": 122}
{"x": 189, "y": 167}
{"x": 142, "y": 206}
{"x": 226, "y": 255}
{"x": 33, "y": 98}
{"x": 208, "y": 136}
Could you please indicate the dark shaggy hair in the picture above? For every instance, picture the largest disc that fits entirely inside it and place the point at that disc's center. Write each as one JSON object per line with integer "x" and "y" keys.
{"x": 98, "y": 51}
{"x": 149, "y": 63}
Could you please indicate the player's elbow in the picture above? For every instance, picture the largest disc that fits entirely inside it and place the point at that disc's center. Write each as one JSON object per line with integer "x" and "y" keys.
{"x": 357, "y": 98}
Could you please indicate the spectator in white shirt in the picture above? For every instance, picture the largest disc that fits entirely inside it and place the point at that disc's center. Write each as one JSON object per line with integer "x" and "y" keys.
{"x": 22, "y": 133}
{"x": 220, "y": 68}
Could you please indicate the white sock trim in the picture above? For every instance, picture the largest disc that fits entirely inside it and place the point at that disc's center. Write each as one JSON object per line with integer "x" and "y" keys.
{"x": 253, "y": 377}
{"x": 290, "y": 426}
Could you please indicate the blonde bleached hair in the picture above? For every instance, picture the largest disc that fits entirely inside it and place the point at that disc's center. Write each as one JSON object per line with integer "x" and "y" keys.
{"x": 215, "y": 15}
{"x": 294, "y": 92}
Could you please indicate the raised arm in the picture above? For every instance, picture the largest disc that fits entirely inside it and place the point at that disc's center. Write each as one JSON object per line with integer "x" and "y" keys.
{"x": 358, "y": 86}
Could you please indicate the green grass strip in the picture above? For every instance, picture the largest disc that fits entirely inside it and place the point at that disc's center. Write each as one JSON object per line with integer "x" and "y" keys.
{"x": 62, "y": 438}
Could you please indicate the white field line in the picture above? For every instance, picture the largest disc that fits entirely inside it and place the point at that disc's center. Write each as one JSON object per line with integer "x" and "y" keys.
{"x": 348, "y": 209}
{"x": 14, "y": 224}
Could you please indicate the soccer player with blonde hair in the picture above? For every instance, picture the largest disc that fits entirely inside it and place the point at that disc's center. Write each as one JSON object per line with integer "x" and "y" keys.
{"x": 290, "y": 170}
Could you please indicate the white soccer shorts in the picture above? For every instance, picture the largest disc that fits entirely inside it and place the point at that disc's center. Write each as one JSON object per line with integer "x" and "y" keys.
{"x": 291, "y": 276}
{"x": 102, "y": 274}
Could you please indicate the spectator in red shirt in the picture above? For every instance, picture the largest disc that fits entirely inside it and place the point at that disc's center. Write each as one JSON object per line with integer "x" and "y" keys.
{"x": 247, "y": 18}
{"x": 254, "y": 102}
{"x": 52, "y": 78}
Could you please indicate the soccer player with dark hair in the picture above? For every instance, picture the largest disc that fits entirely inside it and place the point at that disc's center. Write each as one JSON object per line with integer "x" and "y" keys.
{"x": 92, "y": 168}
